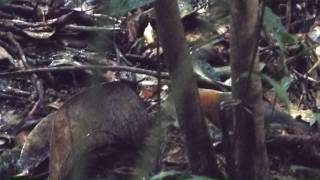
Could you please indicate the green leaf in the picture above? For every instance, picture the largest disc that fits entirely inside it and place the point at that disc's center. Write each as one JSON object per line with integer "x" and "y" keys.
{"x": 285, "y": 82}
{"x": 4, "y": 2}
{"x": 204, "y": 70}
{"x": 179, "y": 176}
{"x": 304, "y": 169}
{"x": 165, "y": 174}
{"x": 279, "y": 88}
{"x": 185, "y": 7}
{"x": 121, "y": 7}
{"x": 275, "y": 27}
{"x": 317, "y": 116}
{"x": 200, "y": 178}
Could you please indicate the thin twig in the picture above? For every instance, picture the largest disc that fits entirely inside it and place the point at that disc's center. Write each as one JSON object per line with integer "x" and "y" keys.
{"x": 305, "y": 76}
{"x": 18, "y": 46}
{"x": 294, "y": 58}
{"x": 37, "y": 82}
{"x": 314, "y": 66}
{"x": 288, "y": 15}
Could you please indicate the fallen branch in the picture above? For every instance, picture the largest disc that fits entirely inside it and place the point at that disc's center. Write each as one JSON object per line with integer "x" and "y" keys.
{"x": 300, "y": 149}
{"x": 21, "y": 23}
{"x": 90, "y": 28}
{"x": 164, "y": 75}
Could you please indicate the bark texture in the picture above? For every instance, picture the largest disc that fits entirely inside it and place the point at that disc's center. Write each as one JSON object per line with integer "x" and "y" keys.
{"x": 250, "y": 151}
{"x": 184, "y": 89}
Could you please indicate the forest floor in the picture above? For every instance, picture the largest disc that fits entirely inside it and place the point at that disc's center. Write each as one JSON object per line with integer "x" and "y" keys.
{"x": 49, "y": 52}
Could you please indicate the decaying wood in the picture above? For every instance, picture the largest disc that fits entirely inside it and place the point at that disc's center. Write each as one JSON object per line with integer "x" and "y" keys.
{"x": 297, "y": 149}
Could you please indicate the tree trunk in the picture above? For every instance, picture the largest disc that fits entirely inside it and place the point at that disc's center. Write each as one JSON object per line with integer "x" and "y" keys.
{"x": 250, "y": 152}
{"x": 184, "y": 90}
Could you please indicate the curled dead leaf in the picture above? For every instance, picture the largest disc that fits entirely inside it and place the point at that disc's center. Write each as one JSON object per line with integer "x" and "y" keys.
{"x": 33, "y": 33}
